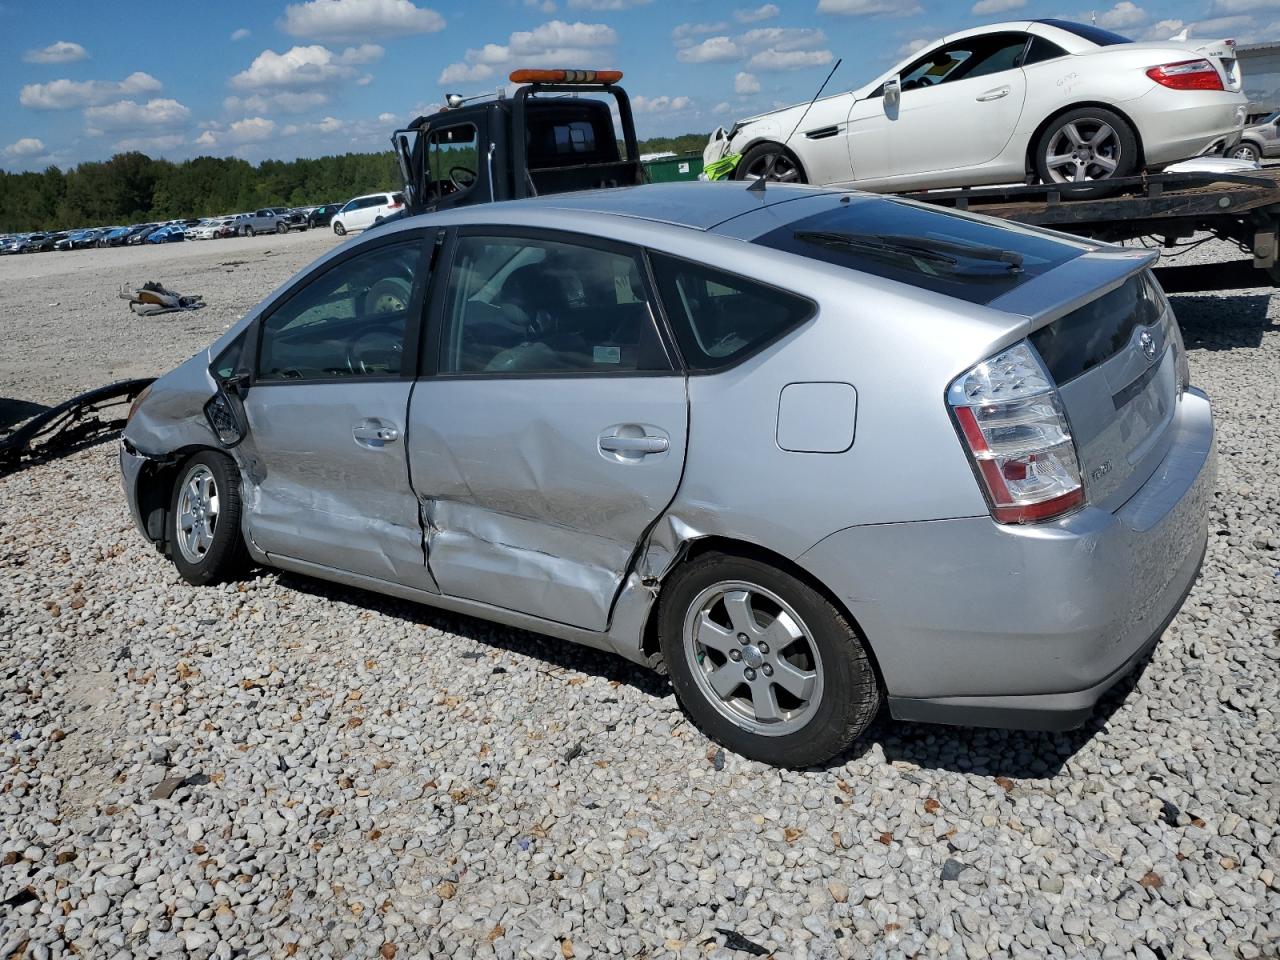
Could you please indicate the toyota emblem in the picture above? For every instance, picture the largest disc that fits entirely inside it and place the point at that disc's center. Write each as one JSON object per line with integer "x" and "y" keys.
{"x": 1148, "y": 345}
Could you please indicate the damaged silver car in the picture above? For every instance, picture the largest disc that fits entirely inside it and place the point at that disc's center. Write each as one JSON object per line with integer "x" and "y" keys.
{"x": 808, "y": 452}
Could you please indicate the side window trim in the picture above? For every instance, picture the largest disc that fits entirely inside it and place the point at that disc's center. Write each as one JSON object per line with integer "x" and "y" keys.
{"x": 413, "y": 322}
{"x": 446, "y": 260}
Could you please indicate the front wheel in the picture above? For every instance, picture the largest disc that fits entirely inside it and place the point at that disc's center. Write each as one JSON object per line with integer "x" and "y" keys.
{"x": 1086, "y": 145}
{"x": 282, "y": 228}
{"x": 339, "y": 229}
{"x": 204, "y": 520}
{"x": 764, "y": 663}
{"x": 1246, "y": 151}
{"x": 770, "y": 160}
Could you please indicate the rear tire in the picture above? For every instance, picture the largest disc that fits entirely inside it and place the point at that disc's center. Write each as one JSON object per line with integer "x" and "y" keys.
{"x": 1086, "y": 145}
{"x": 1245, "y": 150}
{"x": 797, "y": 691}
{"x": 762, "y": 157}
{"x": 339, "y": 229}
{"x": 248, "y": 231}
{"x": 204, "y": 521}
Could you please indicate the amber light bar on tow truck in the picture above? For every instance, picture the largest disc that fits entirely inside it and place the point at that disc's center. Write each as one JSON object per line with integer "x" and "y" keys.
{"x": 603, "y": 77}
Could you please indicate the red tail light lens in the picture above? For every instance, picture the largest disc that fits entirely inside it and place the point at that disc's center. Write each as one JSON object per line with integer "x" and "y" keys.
{"x": 1187, "y": 75}
{"x": 1008, "y": 414}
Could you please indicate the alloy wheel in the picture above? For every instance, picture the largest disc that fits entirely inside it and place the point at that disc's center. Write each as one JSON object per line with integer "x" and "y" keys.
{"x": 1082, "y": 150}
{"x": 784, "y": 171}
{"x": 753, "y": 658}
{"x": 198, "y": 509}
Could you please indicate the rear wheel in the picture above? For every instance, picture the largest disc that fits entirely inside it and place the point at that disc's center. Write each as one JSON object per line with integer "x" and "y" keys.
{"x": 1086, "y": 145}
{"x": 339, "y": 229}
{"x": 764, "y": 663}
{"x": 1246, "y": 151}
{"x": 204, "y": 520}
{"x": 248, "y": 231}
{"x": 772, "y": 160}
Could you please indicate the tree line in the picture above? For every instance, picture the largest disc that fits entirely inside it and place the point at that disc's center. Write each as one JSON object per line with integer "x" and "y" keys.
{"x": 134, "y": 188}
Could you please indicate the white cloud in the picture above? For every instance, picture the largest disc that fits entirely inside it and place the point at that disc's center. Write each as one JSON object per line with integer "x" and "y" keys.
{"x": 722, "y": 107}
{"x": 1123, "y": 14}
{"x": 542, "y": 6}
{"x": 1163, "y": 29}
{"x": 1242, "y": 6}
{"x": 913, "y": 46}
{"x": 150, "y": 145}
{"x": 711, "y": 50}
{"x": 606, "y": 4}
{"x": 61, "y": 51}
{"x": 985, "y": 7}
{"x": 684, "y": 33}
{"x": 773, "y": 60}
{"x": 128, "y": 115}
{"x": 862, "y": 8}
{"x": 554, "y": 43}
{"x": 237, "y": 35}
{"x": 783, "y": 38}
{"x": 69, "y": 94}
{"x": 26, "y": 147}
{"x": 1223, "y": 26}
{"x": 304, "y": 68}
{"x": 662, "y": 104}
{"x": 358, "y": 19}
{"x": 241, "y": 132}
{"x": 286, "y": 101}
{"x": 755, "y": 14}
{"x": 744, "y": 82}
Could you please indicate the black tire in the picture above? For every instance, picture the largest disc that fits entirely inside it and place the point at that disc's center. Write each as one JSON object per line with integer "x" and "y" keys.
{"x": 282, "y": 227}
{"x": 1244, "y": 150}
{"x": 339, "y": 229}
{"x": 1121, "y": 148}
{"x": 780, "y": 163}
{"x": 849, "y": 695}
{"x": 225, "y": 557}
{"x": 248, "y": 231}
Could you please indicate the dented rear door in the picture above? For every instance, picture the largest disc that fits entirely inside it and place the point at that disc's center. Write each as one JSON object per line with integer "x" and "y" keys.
{"x": 551, "y": 435}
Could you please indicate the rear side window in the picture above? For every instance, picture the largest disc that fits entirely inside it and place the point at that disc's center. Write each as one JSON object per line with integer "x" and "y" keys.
{"x": 1041, "y": 50}
{"x": 1094, "y": 333}
{"x": 720, "y": 318}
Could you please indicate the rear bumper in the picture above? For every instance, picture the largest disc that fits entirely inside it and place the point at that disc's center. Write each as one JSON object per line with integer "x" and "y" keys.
{"x": 972, "y": 622}
{"x": 1179, "y": 124}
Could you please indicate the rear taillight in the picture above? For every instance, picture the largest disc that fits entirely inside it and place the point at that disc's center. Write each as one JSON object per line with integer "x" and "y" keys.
{"x": 1187, "y": 75}
{"x": 1010, "y": 419}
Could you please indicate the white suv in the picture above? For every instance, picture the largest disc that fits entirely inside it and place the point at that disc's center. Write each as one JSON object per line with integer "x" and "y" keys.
{"x": 364, "y": 212}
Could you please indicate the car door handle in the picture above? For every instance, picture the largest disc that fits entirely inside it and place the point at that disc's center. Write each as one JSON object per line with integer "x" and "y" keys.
{"x": 374, "y": 433}
{"x": 641, "y": 445}
{"x": 994, "y": 94}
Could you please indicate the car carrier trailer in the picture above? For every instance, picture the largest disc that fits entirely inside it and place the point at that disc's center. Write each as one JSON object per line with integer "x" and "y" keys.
{"x": 1165, "y": 208}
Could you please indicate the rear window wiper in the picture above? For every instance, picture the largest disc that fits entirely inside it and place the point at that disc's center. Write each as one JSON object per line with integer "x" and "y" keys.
{"x": 944, "y": 253}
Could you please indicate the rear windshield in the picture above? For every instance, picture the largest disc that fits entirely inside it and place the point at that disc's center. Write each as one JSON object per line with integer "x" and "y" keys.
{"x": 561, "y": 135}
{"x": 887, "y": 222}
{"x": 1103, "y": 38}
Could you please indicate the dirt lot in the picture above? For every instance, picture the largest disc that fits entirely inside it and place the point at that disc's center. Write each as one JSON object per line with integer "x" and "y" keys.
{"x": 282, "y": 768}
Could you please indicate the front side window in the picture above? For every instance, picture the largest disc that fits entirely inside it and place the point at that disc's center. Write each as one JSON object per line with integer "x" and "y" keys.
{"x": 972, "y": 57}
{"x": 519, "y": 305}
{"x": 720, "y": 318}
{"x": 453, "y": 159}
{"x": 348, "y": 322}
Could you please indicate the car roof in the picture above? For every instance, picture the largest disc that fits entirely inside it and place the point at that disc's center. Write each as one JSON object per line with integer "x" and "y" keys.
{"x": 698, "y": 205}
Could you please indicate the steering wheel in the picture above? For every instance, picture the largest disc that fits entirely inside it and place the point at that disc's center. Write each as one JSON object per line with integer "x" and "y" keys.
{"x": 462, "y": 178}
{"x": 375, "y": 353}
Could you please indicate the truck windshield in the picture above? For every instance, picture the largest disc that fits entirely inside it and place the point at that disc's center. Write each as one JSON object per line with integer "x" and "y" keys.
{"x": 932, "y": 249}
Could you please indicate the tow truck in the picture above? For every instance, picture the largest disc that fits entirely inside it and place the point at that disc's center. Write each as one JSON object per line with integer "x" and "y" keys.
{"x": 555, "y": 134}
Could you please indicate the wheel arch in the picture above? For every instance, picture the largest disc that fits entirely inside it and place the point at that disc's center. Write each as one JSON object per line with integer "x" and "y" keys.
{"x": 693, "y": 549}
{"x": 1029, "y": 159}
{"x": 791, "y": 154}
{"x": 154, "y": 491}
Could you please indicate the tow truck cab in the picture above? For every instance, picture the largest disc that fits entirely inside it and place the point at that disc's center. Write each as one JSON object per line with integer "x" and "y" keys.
{"x": 547, "y": 138}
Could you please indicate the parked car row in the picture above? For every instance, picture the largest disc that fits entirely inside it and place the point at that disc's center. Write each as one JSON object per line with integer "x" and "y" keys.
{"x": 356, "y": 214}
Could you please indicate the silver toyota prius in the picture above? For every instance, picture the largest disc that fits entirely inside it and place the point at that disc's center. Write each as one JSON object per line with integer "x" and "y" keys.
{"x": 804, "y": 451}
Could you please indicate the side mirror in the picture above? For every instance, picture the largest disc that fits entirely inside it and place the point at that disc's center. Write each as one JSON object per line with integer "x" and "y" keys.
{"x": 892, "y": 91}
{"x": 225, "y": 410}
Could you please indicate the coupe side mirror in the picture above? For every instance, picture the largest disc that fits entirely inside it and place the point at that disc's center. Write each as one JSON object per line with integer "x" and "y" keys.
{"x": 892, "y": 91}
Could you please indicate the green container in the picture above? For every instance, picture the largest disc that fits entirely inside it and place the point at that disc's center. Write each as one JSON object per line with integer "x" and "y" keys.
{"x": 671, "y": 169}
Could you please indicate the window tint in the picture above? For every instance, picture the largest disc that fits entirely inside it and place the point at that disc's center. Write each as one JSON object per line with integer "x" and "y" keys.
{"x": 518, "y": 305}
{"x": 1041, "y": 50}
{"x": 558, "y": 136}
{"x": 971, "y": 57}
{"x": 1099, "y": 330}
{"x": 348, "y": 322}
{"x": 719, "y": 317}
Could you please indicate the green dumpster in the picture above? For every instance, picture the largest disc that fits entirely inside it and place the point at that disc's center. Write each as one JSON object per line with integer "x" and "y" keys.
{"x": 670, "y": 169}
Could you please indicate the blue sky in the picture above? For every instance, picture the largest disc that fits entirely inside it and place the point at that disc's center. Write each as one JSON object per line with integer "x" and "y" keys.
{"x": 82, "y": 80}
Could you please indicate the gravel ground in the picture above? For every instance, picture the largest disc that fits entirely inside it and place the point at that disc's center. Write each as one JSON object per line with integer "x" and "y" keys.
{"x": 284, "y": 768}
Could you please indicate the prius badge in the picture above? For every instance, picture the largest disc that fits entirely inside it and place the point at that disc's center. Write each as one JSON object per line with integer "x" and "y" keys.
{"x": 1148, "y": 345}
